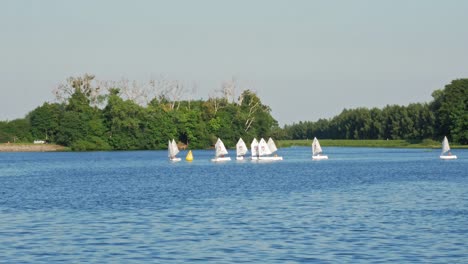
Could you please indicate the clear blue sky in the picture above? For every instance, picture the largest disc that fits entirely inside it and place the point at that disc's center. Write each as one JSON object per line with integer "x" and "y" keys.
{"x": 306, "y": 59}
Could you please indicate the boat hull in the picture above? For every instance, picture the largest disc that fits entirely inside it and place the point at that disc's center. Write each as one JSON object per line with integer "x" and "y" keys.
{"x": 451, "y": 157}
{"x": 240, "y": 158}
{"x": 221, "y": 159}
{"x": 175, "y": 159}
{"x": 319, "y": 157}
{"x": 276, "y": 158}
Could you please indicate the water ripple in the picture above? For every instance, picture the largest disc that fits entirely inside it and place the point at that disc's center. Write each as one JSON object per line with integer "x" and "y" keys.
{"x": 135, "y": 207}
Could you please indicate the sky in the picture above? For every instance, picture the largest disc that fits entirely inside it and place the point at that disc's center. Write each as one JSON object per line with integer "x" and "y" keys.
{"x": 305, "y": 59}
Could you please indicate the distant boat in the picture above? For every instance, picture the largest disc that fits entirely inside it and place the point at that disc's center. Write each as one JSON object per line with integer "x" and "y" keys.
{"x": 220, "y": 152}
{"x": 189, "y": 156}
{"x": 272, "y": 146}
{"x": 172, "y": 150}
{"x": 446, "y": 154}
{"x": 241, "y": 149}
{"x": 317, "y": 151}
{"x": 254, "y": 149}
{"x": 263, "y": 151}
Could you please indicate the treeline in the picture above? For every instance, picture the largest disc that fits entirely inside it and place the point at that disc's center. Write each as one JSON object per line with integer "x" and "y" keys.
{"x": 445, "y": 115}
{"x": 88, "y": 119}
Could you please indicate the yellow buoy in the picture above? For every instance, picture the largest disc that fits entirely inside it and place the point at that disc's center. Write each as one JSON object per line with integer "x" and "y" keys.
{"x": 189, "y": 156}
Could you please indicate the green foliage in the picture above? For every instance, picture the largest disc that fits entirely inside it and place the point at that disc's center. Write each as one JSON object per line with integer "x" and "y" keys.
{"x": 93, "y": 143}
{"x": 450, "y": 107}
{"x": 17, "y": 130}
{"x": 123, "y": 124}
{"x": 415, "y": 121}
{"x": 447, "y": 116}
{"x": 45, "y": 121}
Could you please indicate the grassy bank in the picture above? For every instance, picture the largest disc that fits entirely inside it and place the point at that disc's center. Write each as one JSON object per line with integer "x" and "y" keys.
{"x": 426, "y": 143}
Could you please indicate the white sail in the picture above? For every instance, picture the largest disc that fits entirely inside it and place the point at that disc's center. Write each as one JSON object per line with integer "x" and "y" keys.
{"x": 169, "y": 149}
{"x": 175, "y": 149}
{"x": 254, "y": 148}
{"x": 445, "y": 146}
{"x": 446, "y": 154}
{"x": 241, "y": 148}
{"x": 263, "y": 148}
{"x": 172, "y": 149}
{"x": 272, "y": 145}
{"x": 316, "y": 149}
{"x": 220, "y": 148}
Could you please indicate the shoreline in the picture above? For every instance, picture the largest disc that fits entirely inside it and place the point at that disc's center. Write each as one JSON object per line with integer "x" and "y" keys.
{"x": 18, "y": 147}
{"x": 25, "y": 147}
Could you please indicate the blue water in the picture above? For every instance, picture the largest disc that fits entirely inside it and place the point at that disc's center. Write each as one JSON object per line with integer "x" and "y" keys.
{"x": 361, "y": 206}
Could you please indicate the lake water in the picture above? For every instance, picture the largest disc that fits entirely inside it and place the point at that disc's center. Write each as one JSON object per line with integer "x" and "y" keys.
{"x": 361, "y": 206}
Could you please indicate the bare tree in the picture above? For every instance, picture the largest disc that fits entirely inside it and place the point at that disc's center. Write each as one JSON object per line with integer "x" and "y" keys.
{"x": 253, "y": 106}
{"x": 135, "y": 92}
{"x": 173, "y": 92}
{"x": 226, "y": 93}
{"x": 192, "y": 93}
{"x": 140, "y": 93}
{"x": 228, "y": 89}
{"x": 214, "y": 101}
{"x": 250, "y": 99}
{"x": 157, "y": 87}
{"x": 85, "y": 84}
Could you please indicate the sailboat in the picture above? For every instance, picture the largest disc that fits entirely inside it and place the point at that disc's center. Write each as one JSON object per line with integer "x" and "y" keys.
{"x": 263, "y": 151}
{"x": 317, "y": 151}
{"x": 172, "y": 150}
{"x": 272, "y": 146}
{"x": 220, "y": 152}
{"x": 254, "y": 149}
{"x": 241, "y": 149}
{"x": 446, "y": 154}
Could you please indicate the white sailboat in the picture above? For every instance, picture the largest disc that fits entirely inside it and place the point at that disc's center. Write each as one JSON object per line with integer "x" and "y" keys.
{"x": 317, "y": 151}
{"x": 272, "y": 146}
{"x": 220, "y": 152}
{"x": 446, "y": 154}
{"x": 254, "y": 149}
{"x": 172, "y": 150}
{"x": 263, "y": 152}
{"x": 241, "y": 149}
{"x": 263, "y": 148}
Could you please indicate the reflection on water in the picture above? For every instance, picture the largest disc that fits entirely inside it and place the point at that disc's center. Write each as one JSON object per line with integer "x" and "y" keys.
{"x": 362, "y": 205}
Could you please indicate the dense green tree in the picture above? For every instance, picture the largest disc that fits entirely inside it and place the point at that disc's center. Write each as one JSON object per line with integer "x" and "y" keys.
{"x": 124, "y": 120}
{"x": 450, "y": 107}
{"x": 17, "y": 130}
{"x": 255, "y": 117}
{"x": 45, "y": 121}
{"x": 158, "y": 126}
{"x": 412, "y": 122}
{"x": 81, "y": 123}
